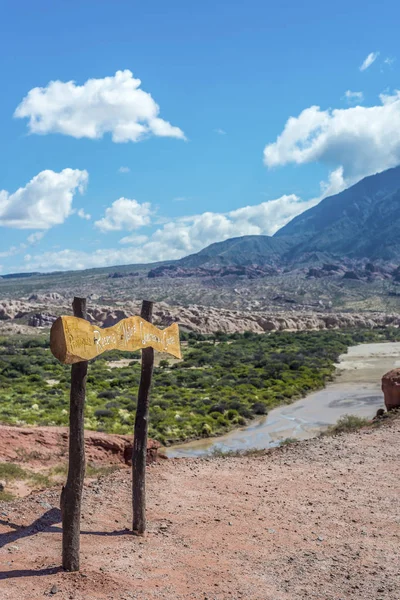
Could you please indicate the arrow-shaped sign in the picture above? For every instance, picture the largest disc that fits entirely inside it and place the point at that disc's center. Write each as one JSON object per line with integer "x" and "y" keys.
{"x": 74, "y": 340}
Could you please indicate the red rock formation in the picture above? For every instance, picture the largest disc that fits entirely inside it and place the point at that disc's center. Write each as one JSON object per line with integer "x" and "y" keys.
{"x": 391, "y": 389}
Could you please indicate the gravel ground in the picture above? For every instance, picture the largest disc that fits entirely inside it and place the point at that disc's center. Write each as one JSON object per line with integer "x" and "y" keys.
{"x": 315, "y": 520}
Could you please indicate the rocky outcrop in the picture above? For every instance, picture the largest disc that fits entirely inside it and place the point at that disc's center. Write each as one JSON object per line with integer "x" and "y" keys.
{"x": 120, "y": 446}
{"x": 49, "y": 297}
{"x": 391, "y": 389}
{"x": 41, "y": 320}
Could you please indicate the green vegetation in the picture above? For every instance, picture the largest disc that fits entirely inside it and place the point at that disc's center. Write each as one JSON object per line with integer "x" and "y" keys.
{"x": 222, "y": 382}
{"x": 6, "y": 496}
{"x": 12, "y": 472}
{"x": 287, "y": 441}
{"x": 348, "y": 423}
{"x": 220, "y": 453}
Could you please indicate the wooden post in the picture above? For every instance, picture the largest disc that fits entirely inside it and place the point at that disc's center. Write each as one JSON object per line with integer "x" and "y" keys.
{"x": 71, "y": 496}
{"x": 140, "y": 436}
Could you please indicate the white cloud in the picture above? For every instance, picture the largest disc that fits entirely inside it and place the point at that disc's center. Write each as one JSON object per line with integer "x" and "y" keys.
{"x": 354, "y": 97}
{"x": 389, "y": 60}
{"x": 35, "y": 237}
{"x": 180, "y": 237}
{"x": 125, "y": 214}
{"x": 124, "y": 170}
{"x": 83, "y": 215}
{"x": 134, "y": 240}
{"x": 334, "y": 185}
{"x": 10, "y": 252}
{"x": 359, "y": 140}
{"x": 44, "y": 202}
{"x": 371, "y": 58}
{"x": 113, "y": 105}
{"x": 220, "y": 131}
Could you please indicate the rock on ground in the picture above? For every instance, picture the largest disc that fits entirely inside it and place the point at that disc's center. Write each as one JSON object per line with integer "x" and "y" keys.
{"x": 391, "y": 389}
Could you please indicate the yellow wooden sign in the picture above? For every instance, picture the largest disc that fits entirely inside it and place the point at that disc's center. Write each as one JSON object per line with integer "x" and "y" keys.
{"x": 74, "y": 340}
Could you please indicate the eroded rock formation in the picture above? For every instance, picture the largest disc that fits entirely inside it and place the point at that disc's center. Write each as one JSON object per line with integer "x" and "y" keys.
{"x": 202, "y": 319}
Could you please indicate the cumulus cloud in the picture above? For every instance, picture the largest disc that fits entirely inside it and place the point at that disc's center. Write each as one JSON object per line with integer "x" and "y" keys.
{"x": 83, "y": 215}
{"x": 115, "y": 105}
{"x": 335, "y": 184}
{"x": 44, "y": 202}
{"x": 35, "y": 237}
{"x": 134, "y": 240}
{"x": 354, "y": 97}
{"x": 220, "y": 131}
{"x": 124, "y": 170}
{"x": 359, "y": 140}
{"x": 125, "y": 214}
{"x": 180, "y": 237}
{"x": 371, "y": 58}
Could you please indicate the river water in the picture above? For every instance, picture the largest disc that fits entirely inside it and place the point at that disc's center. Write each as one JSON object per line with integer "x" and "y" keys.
{"x": 356, "y": 390}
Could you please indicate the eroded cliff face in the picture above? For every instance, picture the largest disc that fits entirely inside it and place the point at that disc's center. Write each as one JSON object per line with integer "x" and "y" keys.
{"x": 41, "y": 311}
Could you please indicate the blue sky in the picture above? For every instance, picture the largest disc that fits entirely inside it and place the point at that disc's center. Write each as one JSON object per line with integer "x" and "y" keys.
{"x": 220, "y": 158}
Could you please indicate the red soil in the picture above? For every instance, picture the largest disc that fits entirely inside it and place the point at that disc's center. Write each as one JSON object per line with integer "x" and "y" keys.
{"x": 317, "y": 520}
{"x": 47, "y": 446}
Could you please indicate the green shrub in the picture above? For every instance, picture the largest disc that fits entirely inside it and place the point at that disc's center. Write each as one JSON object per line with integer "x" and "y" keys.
{"x": 348, "y": 423}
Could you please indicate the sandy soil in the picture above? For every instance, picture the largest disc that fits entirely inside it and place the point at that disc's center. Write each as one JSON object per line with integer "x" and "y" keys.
{"x": 315, "y": 520}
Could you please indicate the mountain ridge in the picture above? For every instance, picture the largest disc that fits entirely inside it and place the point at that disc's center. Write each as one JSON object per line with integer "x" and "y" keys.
{"x": 360, "y": 223}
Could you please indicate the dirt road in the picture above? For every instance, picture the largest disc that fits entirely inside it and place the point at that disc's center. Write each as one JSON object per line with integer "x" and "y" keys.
{"x": 316, "y": 520}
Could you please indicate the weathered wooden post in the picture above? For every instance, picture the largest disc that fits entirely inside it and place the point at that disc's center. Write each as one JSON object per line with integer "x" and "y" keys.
{"x": 71, "y": 495}
{"x": 141, "y": 431}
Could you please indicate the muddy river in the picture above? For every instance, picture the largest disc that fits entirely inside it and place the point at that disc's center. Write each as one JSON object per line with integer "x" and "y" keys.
{"x": 356, "y": 390}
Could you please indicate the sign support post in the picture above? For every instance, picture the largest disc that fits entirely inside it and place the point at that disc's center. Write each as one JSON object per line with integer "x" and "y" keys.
{"x": 71, "y": 495}
{"x": 141, "y": 430}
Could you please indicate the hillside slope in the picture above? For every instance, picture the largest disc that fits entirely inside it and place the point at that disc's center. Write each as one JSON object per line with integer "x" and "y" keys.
{"x": 246, "y": 250}
{"x": 360, "y": 222}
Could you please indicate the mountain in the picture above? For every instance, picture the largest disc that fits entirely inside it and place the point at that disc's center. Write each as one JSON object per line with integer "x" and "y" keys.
{"x": 360, "y": 222}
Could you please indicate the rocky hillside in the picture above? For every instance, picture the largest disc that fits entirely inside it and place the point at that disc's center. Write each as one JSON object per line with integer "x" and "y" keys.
{"x": 258, "y": 250}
